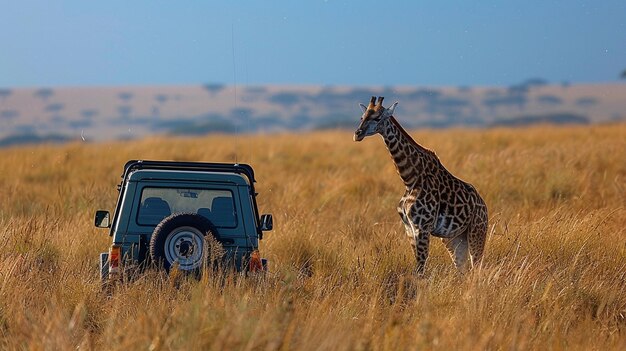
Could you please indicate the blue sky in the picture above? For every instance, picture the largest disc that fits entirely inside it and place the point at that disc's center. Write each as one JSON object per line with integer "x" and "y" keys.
{"x": 92, "y": 43}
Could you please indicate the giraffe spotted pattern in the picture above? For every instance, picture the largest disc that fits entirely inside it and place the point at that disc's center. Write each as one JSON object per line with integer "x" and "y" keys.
{"x": 436, "y": 203}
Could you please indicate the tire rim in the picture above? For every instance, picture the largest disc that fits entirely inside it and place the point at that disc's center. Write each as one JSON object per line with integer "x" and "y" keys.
{"x": 185, "y": 246}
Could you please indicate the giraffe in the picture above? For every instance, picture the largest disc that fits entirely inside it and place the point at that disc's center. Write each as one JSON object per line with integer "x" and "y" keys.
{"x": 435, "y": 202}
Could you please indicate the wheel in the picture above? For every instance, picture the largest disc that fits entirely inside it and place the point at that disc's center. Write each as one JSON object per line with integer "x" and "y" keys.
{"x": 181, "y": 239}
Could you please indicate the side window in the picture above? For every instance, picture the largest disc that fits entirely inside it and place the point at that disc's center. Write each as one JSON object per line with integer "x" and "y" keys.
{"x": 256, "y": 223}
{"x": 215, "y": 204}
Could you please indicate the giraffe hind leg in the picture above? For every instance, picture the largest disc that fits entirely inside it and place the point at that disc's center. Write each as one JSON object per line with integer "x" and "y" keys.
{"x": 477, "y": 235}
{"x": 458, "y": 249}
{"x": 476, "y": 247}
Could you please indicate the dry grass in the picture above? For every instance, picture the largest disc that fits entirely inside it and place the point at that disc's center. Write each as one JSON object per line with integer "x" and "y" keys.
{"x": 554, "y": 275}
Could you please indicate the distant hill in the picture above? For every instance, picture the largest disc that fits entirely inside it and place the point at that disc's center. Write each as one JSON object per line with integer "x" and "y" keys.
{"x": 105, "y": 113}
{"x": 551, "y": 118}
{"x": 21, "y": 139}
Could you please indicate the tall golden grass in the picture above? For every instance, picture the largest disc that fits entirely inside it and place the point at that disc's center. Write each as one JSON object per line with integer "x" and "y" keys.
{"x": 553, "y": 277}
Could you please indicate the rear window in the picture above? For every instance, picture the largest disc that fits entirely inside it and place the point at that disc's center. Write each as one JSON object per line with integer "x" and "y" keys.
{"x": 217, "y": 205}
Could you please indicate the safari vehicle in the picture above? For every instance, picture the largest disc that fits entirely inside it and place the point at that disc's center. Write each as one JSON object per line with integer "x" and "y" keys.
{"x": 171, "y": 213}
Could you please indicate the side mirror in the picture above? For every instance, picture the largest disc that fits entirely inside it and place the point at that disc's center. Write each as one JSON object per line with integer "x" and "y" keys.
{"x": 102, "y": 219}
{"x": 267, "y": 222}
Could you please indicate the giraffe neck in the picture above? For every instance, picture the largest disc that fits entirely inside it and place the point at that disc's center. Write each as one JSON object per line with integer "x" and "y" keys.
{"x": 411, "y": 159}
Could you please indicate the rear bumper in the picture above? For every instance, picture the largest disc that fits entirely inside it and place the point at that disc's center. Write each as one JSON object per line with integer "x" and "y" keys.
{"x": 260, "y": 265}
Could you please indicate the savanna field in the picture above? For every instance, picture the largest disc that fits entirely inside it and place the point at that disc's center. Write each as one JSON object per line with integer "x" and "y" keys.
{"x": 341, "y": 269}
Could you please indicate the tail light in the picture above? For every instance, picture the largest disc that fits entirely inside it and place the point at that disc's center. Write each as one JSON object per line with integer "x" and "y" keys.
{"x": 256, "y": 265}
{"x": 115, "y": 253}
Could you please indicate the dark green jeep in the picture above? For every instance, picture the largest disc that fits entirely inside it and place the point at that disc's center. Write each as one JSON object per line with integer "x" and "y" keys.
{"x": 171, "y": 213}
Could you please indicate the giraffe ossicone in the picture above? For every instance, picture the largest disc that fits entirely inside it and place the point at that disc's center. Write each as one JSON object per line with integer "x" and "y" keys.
{"x": 436, "y": 203}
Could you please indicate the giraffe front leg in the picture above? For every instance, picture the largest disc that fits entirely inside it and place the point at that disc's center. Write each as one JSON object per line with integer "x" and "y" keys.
{"x": 421, "y": 240}
{"x": 407, "y": 224}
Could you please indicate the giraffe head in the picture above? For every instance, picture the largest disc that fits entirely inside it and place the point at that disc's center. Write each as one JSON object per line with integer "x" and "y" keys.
{"x": 375, "y": 116}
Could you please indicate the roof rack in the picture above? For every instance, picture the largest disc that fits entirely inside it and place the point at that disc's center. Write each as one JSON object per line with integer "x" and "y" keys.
{"x": 240, "y": 168}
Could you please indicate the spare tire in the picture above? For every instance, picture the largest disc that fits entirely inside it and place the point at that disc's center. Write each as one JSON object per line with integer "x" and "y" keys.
{"x": 181, "y": 239}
